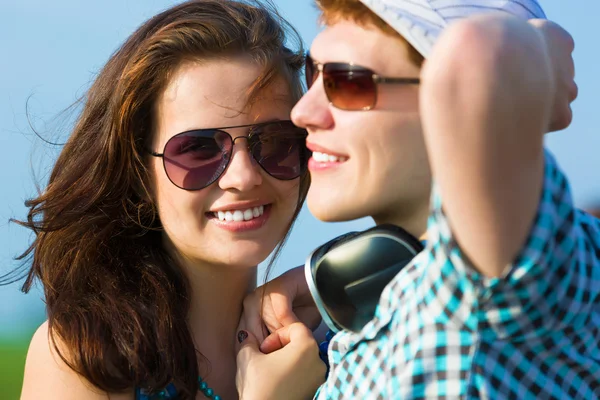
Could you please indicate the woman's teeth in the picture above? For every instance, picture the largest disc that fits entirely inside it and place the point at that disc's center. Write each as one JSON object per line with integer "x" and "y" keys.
{"x": 324, "y": 157}
{"x": 240, "y": 215}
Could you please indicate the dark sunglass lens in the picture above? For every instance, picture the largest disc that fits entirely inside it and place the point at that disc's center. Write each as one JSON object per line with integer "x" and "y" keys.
{"x": 195, "y": 159}
{"x": 349, "y": 89}
{"x": 280, "y": 149}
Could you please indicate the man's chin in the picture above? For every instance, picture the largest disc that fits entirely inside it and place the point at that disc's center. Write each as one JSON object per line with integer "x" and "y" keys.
{"x": 333, "y": 211}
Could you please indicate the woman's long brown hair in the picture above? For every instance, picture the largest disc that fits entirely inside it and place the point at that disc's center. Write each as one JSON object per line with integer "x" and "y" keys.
{"x": 116, "y": 301}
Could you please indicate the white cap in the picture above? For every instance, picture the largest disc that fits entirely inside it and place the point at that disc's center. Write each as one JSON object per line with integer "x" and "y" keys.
{"x": 420, "y": 22}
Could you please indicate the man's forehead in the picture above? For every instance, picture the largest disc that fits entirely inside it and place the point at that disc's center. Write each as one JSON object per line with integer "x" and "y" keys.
{"x": 368, "y": 46}
{"x": 345, "y": 41}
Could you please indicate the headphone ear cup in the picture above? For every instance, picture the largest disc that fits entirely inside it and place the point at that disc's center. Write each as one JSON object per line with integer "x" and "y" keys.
{"x": 347, "y": 275}
{"x": 395, "y": 230}
{"x": 333, "y": 243}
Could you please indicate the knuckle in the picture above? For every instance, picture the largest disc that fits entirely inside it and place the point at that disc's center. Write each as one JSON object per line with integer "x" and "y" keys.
{"x": 309, "y": 346}
{"x": 281, "y": 311}
{"x": 249, "y": 301}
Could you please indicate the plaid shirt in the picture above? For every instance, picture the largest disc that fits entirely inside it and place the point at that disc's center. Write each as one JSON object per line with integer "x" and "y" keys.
{"x": 442, "y": 330}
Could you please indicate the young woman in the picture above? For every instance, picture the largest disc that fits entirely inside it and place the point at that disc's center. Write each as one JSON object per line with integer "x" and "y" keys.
{"x": 182, "y": 174}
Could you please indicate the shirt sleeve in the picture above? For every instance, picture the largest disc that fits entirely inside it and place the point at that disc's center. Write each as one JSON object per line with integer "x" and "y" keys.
{"x": 554, "y": 282}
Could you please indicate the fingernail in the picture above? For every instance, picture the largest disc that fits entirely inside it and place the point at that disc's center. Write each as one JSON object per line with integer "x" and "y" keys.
{"x": 242, "y": 335}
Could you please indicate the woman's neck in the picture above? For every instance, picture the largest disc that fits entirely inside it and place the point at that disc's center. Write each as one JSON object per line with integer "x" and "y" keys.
{"x": 216, "y": 303}
{"x": 217, "y": 293}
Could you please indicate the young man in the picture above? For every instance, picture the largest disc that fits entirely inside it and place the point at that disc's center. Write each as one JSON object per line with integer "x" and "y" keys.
{"x": 504, "y": 302}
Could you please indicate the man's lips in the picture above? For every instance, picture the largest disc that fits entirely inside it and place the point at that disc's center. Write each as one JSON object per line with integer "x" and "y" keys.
{"x": 315, "y": 148}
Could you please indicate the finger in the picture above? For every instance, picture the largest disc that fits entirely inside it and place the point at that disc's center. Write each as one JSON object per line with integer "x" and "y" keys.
{"x": 268, "y": 315}
{"x": 299, "y": 334}
{"x": 271, "y": 343}
{"x": 251, "y": 320}
{"x": 247, "y": 352}
{"x": 282, "y": 308}
{"x": 295, "y": 335}
{"x": 252, "y": 325}
{"x": 554, "y": 32}
{"x": 560, "y": 46}
{"x": 247, "y": 347}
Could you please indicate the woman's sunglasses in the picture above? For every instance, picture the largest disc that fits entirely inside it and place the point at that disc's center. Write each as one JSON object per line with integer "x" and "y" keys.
{"x": 195, "y": 159}
{"x": 347, "y": 86}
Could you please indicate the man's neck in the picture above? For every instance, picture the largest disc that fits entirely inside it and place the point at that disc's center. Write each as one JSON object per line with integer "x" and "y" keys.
{"x": 414, "y": 222}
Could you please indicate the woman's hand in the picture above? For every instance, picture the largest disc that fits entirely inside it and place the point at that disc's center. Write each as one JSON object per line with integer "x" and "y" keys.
{"x": 295, "y": 371}
{"x": 277, "y": 304}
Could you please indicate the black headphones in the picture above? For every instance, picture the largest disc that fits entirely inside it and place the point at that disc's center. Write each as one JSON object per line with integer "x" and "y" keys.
{"x": 347, "y": 274}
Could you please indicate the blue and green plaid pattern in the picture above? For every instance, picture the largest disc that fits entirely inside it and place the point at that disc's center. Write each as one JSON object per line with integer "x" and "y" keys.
{"x": 444, "y": 331}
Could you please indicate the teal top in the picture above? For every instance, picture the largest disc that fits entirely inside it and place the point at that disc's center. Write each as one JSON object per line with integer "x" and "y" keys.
{"x": 170, "y": 391}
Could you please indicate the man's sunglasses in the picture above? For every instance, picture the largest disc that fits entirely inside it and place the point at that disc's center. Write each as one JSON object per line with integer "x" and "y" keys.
{"x": 195, "y": 159}
{"x": 348, "y": 86}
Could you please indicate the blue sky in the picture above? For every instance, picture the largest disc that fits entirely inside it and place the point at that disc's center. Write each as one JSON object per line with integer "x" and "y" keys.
{"x": 51, "y": 52}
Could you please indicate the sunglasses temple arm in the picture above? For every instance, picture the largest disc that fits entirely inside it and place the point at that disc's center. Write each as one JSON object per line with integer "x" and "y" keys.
{"x": 406, "y": 81}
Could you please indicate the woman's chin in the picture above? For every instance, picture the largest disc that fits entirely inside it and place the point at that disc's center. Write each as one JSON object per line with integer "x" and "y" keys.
{"x": 245, "y": 255}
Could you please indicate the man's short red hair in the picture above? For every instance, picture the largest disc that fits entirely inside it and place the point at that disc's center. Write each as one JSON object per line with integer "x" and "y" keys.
{"x": 333, "y": 11}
